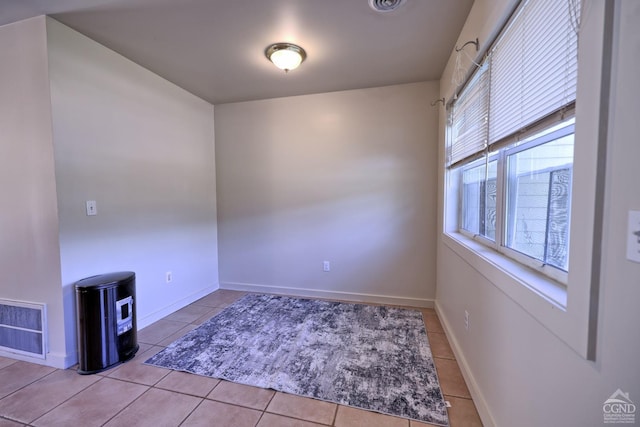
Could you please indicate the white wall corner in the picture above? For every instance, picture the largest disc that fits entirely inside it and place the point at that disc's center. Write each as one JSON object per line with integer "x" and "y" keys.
{"x": 147, "y": 320}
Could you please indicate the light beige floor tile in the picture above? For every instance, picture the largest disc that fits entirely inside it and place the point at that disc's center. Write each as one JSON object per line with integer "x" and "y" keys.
{"x": 40, "y": 397}
{"x": 273, "y": 420}
{"x": 243, "y": 395}
{"x": 5, "y": 361}
{"x": 156, "y": 408}
{"x": 440, "y": 346}
{"x": 136, "y": 371}
{"x": 212, "y": 413}
{"x": 432, "y": 322}
{"x": 159, "y": 330}
{"x": 9, "y": 423}
{"x": 353, "y": 417}
{"x": 17, "y": 375}
{"x": 451, "y": 380}
{"x": 463, "y": 413}
{"x": 220, "y": 298}
{"x": 208, "y": 315}
{"x": 188, "y": 314}
{"x": 419, "y": 424}
{"x": 94, "y": 406}
{"x": 184, "y": 382}
{"x": 304, "y": 408}
{"x": 177, "y": 335}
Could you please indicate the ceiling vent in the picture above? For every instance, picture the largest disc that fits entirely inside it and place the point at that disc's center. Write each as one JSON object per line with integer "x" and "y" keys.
{"x": 385, "y": 5}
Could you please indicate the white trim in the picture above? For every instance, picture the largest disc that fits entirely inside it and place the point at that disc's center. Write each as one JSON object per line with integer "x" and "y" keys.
{"x": 544, "y": 135}
{"x": 177, "y": 305}
{"x": 326, "y": 294}
{"x": 61, "y": 360}
{"x": 496, "y": 267}
{"x": 478, "y": 398}
{"x": 55, "y": 360}
{"x": 515, "y": 280}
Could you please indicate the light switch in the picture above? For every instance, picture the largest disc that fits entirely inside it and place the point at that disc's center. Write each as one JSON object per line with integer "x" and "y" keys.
{"x": 92, "y": 208}
{"x": 633, "y": 236}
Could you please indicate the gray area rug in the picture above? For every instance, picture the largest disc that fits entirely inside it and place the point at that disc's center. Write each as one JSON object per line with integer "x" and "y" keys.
{"x": 371, "y": 357}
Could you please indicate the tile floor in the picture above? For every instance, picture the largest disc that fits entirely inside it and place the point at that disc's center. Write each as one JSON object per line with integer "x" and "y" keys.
{"x": 134, "y": 394}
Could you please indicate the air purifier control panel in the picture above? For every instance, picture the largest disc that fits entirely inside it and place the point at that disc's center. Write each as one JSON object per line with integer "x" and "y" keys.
{"x": 124, "y": 313}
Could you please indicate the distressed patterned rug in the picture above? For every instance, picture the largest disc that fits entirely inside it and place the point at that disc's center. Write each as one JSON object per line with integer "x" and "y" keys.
{"x": 371, "y": 357}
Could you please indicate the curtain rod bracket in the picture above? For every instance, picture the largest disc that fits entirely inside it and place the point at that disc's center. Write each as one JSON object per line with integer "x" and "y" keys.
{"x": 434, "y": 103}
{"x": 475, "y": 42}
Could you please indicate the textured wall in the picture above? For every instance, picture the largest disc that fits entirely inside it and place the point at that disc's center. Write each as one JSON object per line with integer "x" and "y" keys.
{"x": 348, "y": 177}
{"x": 143, "y": 149}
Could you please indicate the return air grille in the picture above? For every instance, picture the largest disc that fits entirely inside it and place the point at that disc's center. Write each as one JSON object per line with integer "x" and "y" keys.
{"x": 22, "y": 328}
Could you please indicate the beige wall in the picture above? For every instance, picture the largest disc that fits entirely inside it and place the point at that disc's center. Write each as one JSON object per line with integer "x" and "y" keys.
{"x": 348, "y": 177}
{"x": 521, "y": 373}
{"x": 29, "y": 254}
{"x": 144, "y": 150}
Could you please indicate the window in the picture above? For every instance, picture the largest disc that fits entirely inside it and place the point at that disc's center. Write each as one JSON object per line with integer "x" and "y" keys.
{"x": 538, "y": 197}
{"x": 479, "y": 198}
{"x": 510, "y": 140}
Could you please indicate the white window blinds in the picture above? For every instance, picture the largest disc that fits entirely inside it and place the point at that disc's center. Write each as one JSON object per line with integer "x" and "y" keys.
{"x": 469, "y": 119}
{"x": 534, "y": 67}
{"x": 529, "y": 73}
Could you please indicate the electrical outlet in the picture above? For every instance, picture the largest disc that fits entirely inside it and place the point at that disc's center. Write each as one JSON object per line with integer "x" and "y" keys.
{"x": 326, "y": 266}
{"x": 169, "y": 276}
{"x": 466, "y": 320}
{"x": 92, "y": 207}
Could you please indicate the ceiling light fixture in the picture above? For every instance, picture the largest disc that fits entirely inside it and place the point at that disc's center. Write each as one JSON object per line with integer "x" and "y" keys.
{"x": 286, "y": 56}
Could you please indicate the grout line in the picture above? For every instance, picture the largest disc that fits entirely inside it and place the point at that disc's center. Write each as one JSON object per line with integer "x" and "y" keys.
{"x": 232, "y": 404}
{"x": 192, "y": 411}
{"x": 458, "y": 397}
{"x": 291, "y": 417}
{"x": 260, "y": 418}
{"x": 126, "y": 406}
{"x": 27, "y": 385}
{"x": 335, "y": 415}
{"x": 66, "y": 400}
{"x": 270, "y": 400}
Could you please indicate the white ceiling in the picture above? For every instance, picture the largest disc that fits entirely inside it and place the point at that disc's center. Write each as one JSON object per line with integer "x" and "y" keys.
{"x": 215, "y": 48}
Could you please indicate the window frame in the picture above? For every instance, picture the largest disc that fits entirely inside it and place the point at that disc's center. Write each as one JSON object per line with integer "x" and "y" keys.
{"x": 575, "y": 324}
{"x": 501, "y": 156}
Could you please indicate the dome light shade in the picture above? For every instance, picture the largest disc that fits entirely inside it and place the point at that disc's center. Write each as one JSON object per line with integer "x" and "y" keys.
{"x": 285, "y": 56}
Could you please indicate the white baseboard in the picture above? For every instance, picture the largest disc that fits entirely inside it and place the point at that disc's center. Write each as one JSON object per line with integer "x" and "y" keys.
{"x": 62, "y": 361}
{"x": 334, "y": 295}
{"x": 143, "y": 322}
{"x": 476, "y": 394}
{"x": 54, "y": 360}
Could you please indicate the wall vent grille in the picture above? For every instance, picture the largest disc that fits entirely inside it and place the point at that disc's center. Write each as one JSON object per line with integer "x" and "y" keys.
{"x": 385, "y": 5}
{"x": 23, "y": 328}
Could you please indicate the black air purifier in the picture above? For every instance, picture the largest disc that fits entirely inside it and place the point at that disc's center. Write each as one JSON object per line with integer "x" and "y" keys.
{"x": 106, "y": 310}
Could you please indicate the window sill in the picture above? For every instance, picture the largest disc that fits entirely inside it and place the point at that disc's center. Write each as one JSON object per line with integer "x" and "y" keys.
{"x": 535, "y": 292}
